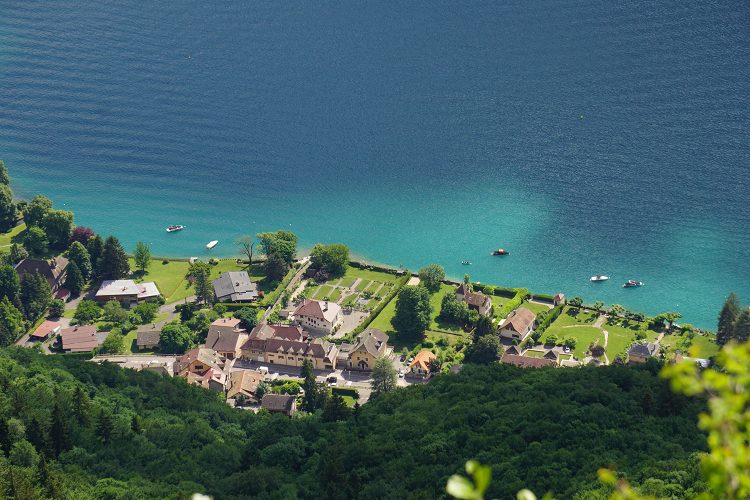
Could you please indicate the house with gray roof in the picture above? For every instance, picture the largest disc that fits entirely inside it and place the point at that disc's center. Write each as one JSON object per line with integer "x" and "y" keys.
{"x": 640, "y": 353}
{"x": 235, "y": 286}
{"x": 280, "y": 403}
{"x": 371, "y": 345}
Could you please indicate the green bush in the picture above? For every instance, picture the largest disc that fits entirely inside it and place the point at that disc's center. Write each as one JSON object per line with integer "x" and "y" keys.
{"x": 549, "y": 317}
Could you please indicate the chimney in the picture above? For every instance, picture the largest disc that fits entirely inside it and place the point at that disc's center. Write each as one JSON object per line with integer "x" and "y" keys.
{"x": 325, "y": 305}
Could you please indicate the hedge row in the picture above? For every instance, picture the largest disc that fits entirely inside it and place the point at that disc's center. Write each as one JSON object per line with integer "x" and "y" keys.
{"x": 549, "y": 317}
{"x": 270, "y": 298}
{"x": 499, "y": 291}
{"x": 389, "y": 270}
{"x": 512, "y": 304}
{"x": 401, "y": 282}
{"x": 543, "y": 298}
{"x": 342, "y": 391}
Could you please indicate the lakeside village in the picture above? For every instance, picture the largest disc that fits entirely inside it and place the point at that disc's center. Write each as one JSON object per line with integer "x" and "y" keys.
{"x": 265, "y": 332}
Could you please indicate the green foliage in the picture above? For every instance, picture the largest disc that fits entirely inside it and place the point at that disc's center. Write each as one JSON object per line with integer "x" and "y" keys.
{"x": 144, "y": 313}
{"x": 332, "y": 258}
{"x": 74, "y": 279}
{"x": 17, "y": 253}
{"x": 36, "y": 209}
{"x": 36, "y": 295}
{"x": 200, "y": 275}
{"x": 87, "y": 312}
{"x": 575, "y": 302}
{"x": 113, "y": 312}
{"x": 453, "y": 310}
{"x": 8, "y": 213}
{"x": 113, "y": 344}
{"x": 95, "y": 247}
{"x": 413, "y": 312}
{"x": 176, "y": 338}
{"x": 142, "y": 256}
{"x": 113, "y": 263}
{"x": 486, "y": 350}
{"x": 11, "y": 322}
{"x": 77, "y": 253}
{"x": 280, "y": 248}
{"x": 512, "y": 304}
{"x": 460, "y": 487}
{"x": 10, "y": 285}
{"x": 58, "y": 224}
{"x": 335, "y": 409}
{"x": 4, "y": 177}
{"x": 432, "y": 277}
{"x": 35, "y": 241}
{"x": 383, "y": 376}
{"x": 56, "y": 308}
{"x": 248, "y": 317}
{"x": 727, "y": 319}
{"x": 548, "y": 318}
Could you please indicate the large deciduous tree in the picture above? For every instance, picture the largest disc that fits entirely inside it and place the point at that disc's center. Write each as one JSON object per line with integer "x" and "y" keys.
{"x": 82, "y": 235}
{"x": 200, "y": 275}
{"x": 413, "y": 312}
{"x": 11, "y": 322}
{"x": 35, "y": 241}
{"x": 36, "y": 209}
{"x": 176, "y": 338}
{"x": 247, "y": 245}
{"x": 278, "y": 247}
{"x": 58, "y": 224}
{"x": 10, "y": 285}
{"x": 432, "y": 277}
{"x": 333, "y": 258}
{"x": 383, "y": 376}
{"x": 8, "y": 212}
{"x": 4, "y": 177}
{"x": 486, "y": 350}
{"x": 113, "y": 263}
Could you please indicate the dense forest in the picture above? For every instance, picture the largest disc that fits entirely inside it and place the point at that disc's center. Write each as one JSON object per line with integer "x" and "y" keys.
{"x": 71, "y": 428}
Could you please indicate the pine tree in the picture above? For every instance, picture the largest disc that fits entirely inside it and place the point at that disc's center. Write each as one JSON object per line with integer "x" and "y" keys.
{"x": 77, "y": 253}
{"x": 104, "y": 425}
{"x": 727, "y": 319}
{"x": 113, "y": 263}
{"x": 36, "y": 295}
{"x": 311, "y": 399}
{"x": 135, "y": 425}
{"x": 4, "y": 177}
{"x": 82, "y": 407}
{"x": 38, "y": 436}
{"x": 335, "y": 409}
{"x": 59, "y": 432}
{"x": 95, "y": 248}
{"x": 8, "y": 212}
{"x": 10, "y": 285}
{"x": 74, "y": 280}
{"x": 742, "y": 326}
{"x": 142, "y": 256}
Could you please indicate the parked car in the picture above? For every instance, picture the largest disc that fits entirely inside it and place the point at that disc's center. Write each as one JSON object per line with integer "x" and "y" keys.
{"x": 332, "y": 381}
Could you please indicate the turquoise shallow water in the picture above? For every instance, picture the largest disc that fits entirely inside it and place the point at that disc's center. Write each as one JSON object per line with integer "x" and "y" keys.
{"x": 588, "y": 138}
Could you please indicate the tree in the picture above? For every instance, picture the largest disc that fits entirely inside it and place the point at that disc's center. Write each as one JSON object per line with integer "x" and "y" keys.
{"x": 114, "y": 312}
{"x": 176, "y": 338}
{"x": 113, "y": 344}
{"x": 11, "y": 322}
{"x": 87, "y": 312}
{"x": 35, "y": 241}
{"x": 247, "y": 245}
{"x": 17, "y": 253}
{"x": 8, "y": 213}
{"x": 4, "y": 177}
{"x": 413, "y": 312}
{"x": 77, "y": 253}
{"x": 615, "y": 311}
{"x": 82, "y": 406}
{"x": 333, "y": 259}
{"x": 58, "y": 224}
{"x": 467, "y": 279}
{"x": 56, "y": 308}
{"x": 485, "y": 326}
{"x": 279, "y": 248}
{"x": 36, "y": 210}
{"x": 74, "y": 280}
{"x": 262, "y": 389}
{"x": 454, "y": 310}
{"x": 95, "y": 247}
{"x": 59, "y": 431}
{"x": 10, "y": 285}
{"x": 142, "y": 256}
{"x": 200, "y": 275}
{"x": 23, "y": 454}
{"x": 113, "y": 264}
{"x": 335, "y": 409}
{"x": 484, "y": 351}
{"x": 36, "y": 295}
{"x": 82, "y": 235}
{"x": 144, "y": 313}
{"x": 575, "y": 302}
{"x": 727, "y": 319}
{"x": 742, "y": 326}
{"x": 311, "y": 401}
{"x": 248, "y": 317}
{"x": 384, "y": 376}
{"x": 598, "y": 306}
{"x": 432, "y": 277}
{"x": 104, "y": 425}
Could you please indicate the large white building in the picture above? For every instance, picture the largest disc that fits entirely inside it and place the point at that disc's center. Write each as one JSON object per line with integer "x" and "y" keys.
{"x": 318, "y": 316}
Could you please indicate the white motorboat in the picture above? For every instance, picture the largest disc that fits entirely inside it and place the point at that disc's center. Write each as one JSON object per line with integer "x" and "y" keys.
{"x": 632, "y": 283}
{"x": 599, "y": 277}
{"x": 177, "y": 227}
{"x": 212, "y": 244}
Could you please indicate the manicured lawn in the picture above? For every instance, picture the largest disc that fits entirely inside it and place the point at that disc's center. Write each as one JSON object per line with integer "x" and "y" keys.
{"x": 434, "y": 336}
{"x": 6, "y": 239}
{"x": 335, "y": 294}
{"x": 349, "y": 400}
{"x": 324, "y": 291}
{"x": 534, "y": 354}
{"x": 348, "y": 281}
{"x": 568, "y": 318}
{"x": 353, "y": 272}
{"x": 362, "y": 285}
{"x": 436, "y": 301}
{"x": 700, "y": 347}
{"x": 622, "y": 336}
{"x": 584, "y": 336}
{"x": 534, "y": 307}
{"x": 169, "y": 278}
{"x": 383, "y": 320}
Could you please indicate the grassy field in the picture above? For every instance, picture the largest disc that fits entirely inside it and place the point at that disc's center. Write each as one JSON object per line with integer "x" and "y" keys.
{"x": 583, "y": 334}
{"x": 6, "y": 239}
{"x": 435, "y": 302}
{"x": 534, "y": 307}
{"x": 383, "y": 320}
{"x": 700, "y": 346}
{"x": 534, "y": 354}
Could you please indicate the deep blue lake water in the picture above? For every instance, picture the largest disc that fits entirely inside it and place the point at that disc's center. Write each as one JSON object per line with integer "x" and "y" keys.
{"x": 586, "y": 138}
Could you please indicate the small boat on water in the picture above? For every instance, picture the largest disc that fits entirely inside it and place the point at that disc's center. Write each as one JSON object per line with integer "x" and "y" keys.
{"x": 501, "y": 251}
{"x": 466, "y": 263}
{"x": 599, "y": 277}
{"x": 177, "y": 227}
{"x": 212, "y": 244}
{"x": 632, "y": 283}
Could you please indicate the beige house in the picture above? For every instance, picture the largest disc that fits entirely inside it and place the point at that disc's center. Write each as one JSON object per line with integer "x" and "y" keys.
{"x": 477, "y": 301}
{"x": 126, "y": 292}
{"x": 226, "y": 337}
{"x": 371, "y": 345}
{"x": 243, "y": 382}
{"x": 202, "y": 366}
{"x": 517, "y": 325}
{"x": 318, "y": 316}
{"x": 287, "y": 345}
